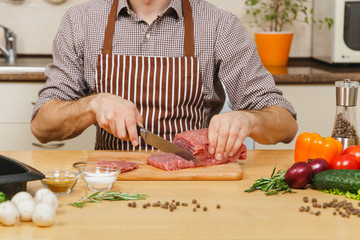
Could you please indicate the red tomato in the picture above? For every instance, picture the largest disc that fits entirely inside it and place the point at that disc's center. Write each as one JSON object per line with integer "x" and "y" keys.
{"x": 354, "y": 149}
{"x": 347, "y": 161}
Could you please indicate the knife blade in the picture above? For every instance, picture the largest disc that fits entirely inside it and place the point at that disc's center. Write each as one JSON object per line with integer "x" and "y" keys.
{"x": 164, "y": 145}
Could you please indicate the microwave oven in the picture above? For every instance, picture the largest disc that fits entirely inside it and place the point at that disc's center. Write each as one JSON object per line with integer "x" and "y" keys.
{"x": 341, "y": 43}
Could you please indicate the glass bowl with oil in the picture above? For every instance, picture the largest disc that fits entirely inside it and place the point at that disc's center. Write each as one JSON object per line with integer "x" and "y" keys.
{"x": 60, "y": 182}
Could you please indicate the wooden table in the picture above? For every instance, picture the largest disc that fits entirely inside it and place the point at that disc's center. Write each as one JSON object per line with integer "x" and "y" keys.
{"x": 242, "y": 215}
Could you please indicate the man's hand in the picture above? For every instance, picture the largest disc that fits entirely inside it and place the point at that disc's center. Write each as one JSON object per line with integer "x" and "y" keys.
{"x": 117, "y": 116}
{"x": 227, "y": 132}
{"x": 269, "y": 125}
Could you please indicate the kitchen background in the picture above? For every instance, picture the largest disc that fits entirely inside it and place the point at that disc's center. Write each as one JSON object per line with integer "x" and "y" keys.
{"x": 35, "y": 23}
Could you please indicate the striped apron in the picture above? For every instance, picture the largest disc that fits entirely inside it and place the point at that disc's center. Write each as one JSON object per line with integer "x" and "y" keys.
{"x": 167, "y": 91}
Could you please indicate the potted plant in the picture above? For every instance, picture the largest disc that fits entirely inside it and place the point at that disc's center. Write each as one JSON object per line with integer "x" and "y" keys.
{"x": 271, "y": 16}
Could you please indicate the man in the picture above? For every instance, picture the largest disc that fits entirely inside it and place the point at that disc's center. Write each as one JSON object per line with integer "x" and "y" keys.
{"x": 160, "y": 64}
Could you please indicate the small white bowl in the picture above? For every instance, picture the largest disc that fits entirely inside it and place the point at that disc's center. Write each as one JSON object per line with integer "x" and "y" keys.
{"x": 100, "y": 178}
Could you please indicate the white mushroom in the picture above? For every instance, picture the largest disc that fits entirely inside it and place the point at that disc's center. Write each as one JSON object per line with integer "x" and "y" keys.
{"x": 9, "y": 214}
{"x": 43, "y": 215}
{"x": 20, "y": 196}
{"x": 39, "y": 193}
{"x": 26, "y": 208}
{"x": 50, "y": 199}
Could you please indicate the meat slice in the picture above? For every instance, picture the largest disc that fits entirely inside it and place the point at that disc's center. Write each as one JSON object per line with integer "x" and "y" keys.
{"x": 169, "y": 161}
{"x": 196, "y": 142}
{"x": 124, "y": 165}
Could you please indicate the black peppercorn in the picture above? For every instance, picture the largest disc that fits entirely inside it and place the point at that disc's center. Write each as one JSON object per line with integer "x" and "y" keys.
{"x": 343, "y": 128}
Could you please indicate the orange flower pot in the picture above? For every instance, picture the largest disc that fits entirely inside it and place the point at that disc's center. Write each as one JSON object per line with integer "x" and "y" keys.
{"x": 274, "y": 47}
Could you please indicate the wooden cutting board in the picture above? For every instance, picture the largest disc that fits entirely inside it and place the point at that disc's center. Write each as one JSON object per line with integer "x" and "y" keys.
{"x": 227, "y": 171}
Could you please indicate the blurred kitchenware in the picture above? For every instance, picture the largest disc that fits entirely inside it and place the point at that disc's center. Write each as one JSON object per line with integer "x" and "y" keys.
{"x": 10, "y": 45}
{"x": 14, "y": 176}
{"x": 345, "y": 125}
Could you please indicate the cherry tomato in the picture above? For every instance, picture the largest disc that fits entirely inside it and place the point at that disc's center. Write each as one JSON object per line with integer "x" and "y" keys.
{"x": 354, "y": 149}
{"x": 347, "y": 161}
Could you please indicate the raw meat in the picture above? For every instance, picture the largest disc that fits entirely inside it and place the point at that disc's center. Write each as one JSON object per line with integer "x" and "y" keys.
{"x": 169, "y": 161}
{"x": 124, "y": 165}
{"x": 196, "y": 142}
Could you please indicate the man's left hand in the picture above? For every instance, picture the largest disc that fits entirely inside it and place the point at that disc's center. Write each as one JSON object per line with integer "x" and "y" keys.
{"x": 227, "y": 132}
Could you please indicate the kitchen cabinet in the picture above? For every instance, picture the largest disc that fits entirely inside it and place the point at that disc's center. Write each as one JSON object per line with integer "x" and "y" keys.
{"x": 316, "y": 107}
{"x": 16, "y": 103}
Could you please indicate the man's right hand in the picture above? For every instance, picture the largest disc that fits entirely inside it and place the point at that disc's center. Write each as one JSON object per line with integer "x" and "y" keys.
{"x": 117, "y": 116}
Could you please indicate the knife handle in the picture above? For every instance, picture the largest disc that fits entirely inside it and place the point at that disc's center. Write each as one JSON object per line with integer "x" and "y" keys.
{"x": 138, "y": 129}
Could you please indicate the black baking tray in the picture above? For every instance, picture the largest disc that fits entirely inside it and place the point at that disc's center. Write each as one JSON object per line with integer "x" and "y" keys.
{"x": 14, "y": 175}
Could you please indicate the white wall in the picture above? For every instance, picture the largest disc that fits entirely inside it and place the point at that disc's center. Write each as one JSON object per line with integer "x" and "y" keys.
{"x": 316, "y": 108}
{"x": 36, "y": 21}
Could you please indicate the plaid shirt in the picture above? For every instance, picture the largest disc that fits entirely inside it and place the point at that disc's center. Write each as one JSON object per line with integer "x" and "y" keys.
{"x": 227, "y": 55}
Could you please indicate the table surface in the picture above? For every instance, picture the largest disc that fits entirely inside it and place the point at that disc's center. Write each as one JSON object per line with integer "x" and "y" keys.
{"x": 242, "y": 215}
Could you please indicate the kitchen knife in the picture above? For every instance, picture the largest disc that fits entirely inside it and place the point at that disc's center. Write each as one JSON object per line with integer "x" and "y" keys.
{"x": 164, "y": 145}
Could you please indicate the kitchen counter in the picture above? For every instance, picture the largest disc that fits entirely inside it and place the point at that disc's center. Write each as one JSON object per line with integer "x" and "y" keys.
{"x": 310, "y": 71}
{"x": 242, "y": 215}
{"x": 24, "y": 69}
{"x": 298, "y": 71}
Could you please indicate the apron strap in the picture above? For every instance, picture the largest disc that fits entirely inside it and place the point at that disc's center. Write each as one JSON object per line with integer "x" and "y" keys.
{"x": 110, "y": 27}
{"x": 188, "y": 29}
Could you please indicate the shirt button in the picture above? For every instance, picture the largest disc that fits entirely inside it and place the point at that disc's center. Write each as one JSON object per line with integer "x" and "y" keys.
{"x": 128, "y": 11}
{"x": 147, "y": 35}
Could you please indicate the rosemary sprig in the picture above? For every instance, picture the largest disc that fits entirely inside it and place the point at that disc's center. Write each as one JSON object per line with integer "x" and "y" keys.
{"x": 273, "y": 185}
{"x": 107, "y": 196}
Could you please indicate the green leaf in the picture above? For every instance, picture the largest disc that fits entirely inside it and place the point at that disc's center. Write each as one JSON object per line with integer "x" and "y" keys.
{"x": 3, "y": 197}
{"x": 347, "y": 194}
{"x": 98, "y": 197}
{"x": 273, "y": 185}
{"x": 274, "y": 14}
{"x": 94, "y": 195}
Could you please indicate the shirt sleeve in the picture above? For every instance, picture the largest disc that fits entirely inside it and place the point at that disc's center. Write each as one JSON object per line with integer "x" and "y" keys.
{"x": 248, "y": 84}
{"x": 65, "y": 76}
